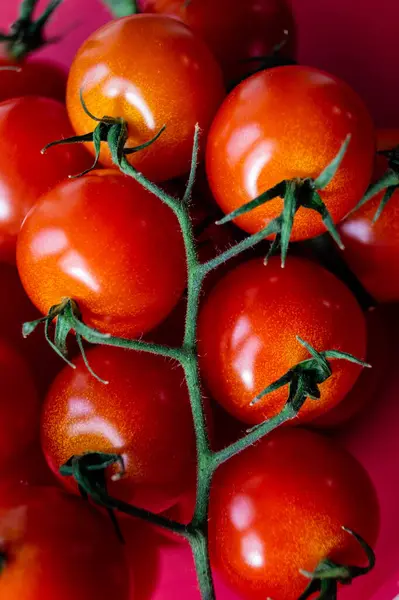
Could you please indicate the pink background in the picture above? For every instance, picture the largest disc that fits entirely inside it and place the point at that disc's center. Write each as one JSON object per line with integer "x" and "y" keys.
{"x": 357, "y": 40}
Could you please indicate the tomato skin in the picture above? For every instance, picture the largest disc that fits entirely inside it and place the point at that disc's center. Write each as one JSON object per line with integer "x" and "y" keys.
{"x": 372, "y": 249}
{"x": 143, "y": 414}
{"x": 173, "y": 81}
{"x": 247, "y": 335}
{"x": 285, "y": 123}
{"x": 19, "y": 408}
{"x": 126, "y": 273}
{"x": 262, "y": 26}
{"x": 30, "y": 123}
{"x": 35, "y": 78}
{"x": 280, "y": 507}
{"x": 62, "y": 546}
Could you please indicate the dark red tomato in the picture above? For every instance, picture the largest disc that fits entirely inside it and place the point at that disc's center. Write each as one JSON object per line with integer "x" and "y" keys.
{"x": 173, "y": 80}
{"x": 280, "y": 507}
{"x": 110, "y": 245}
{"x": 26, "y": 125}
{"x": 247, "y": 335}
{"x": 372, "y": 249}
{"x": 19, "y": 408}
{"x": 56, "y": 546}
{"x": 370, "y": 381}
{"x": 34, "y": 78}
{"x": 27, "y": 469}
{"x": 143, "y": 413}
{"x": 286, "y": 123}
{"x": 234, "y": 31}
{"x": 15, "y": 309}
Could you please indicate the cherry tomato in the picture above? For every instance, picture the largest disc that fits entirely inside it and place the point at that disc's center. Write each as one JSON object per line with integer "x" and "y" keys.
{"x": 144, "y": 414}
{"x": 57, "y": 546}
{"x": 173, "y": 80}
{"x": 284, "y": 123}
{"x": 26, "y": 125}
{"x": 262, "y": 25}
{"x": 372, "y": 249}
{"x": 34, "y": 78}
{"x": 247, "y": 335}
{"x": 280, "y": 507}
{"x": 125, "y": 268}
{"x": 370, "y": 381}
{"x": 19, "y": 408}
{"x": 15, "y": 309}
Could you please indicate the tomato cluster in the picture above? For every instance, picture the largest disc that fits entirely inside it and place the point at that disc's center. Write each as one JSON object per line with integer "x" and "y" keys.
{"x": 89, "y": 244}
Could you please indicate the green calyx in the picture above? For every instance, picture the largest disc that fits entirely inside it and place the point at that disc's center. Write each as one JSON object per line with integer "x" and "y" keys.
{"x": 296, "y": 193}
{"x": 111, "y": 130}
{"x": 328, "y": 574}
{"x": 122, "y": 8}
{"x": 27, "y": 34}
{"x": 388, "y": 182}
{"x": 304, "y": 378}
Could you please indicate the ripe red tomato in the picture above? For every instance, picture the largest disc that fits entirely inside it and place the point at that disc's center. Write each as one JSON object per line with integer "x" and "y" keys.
{"x": 144, "y": 414}
{"x": 19, "y": 408}
{"x": 172, "y": 80}
{"x": 125, "y": 269}
{"x": 34, "y": 78}
{"x": 58, "y": 546}
{"x": 15, "y": 309}
{"x": 247, "y": 335}
{"x": 284, "y": 123}
{"x": 280, "y": 507}
{"x": 30, "y": 123}
{"x": 372, "y": 249}
{"x": 262, "y": 25}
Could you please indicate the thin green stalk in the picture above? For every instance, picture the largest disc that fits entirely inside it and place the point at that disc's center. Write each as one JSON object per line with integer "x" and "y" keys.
{"x": 199, "y": 548}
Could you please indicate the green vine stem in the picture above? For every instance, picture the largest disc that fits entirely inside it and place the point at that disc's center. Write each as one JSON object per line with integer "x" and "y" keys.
{"x": 27, "y": 34}
{"x": 82, "y": 468}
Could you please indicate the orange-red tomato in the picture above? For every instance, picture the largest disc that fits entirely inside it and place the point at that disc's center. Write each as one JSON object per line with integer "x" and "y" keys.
{"x": 151, "y": 71}
{"x": 372, "y": 249}
{"x": 280, "y": 507}
{"x": 110, "y": 245}
{"x": 26, "y": 125}
{"x": 19, "y": 408}
{"x": 284, "y": 123}
{"x": 34, "y": 78}
{"x": 234, "y": 31}
{"x": 247, "y": 335}
{"x": 56, "y": 546}
{"x": 143, "y": 414}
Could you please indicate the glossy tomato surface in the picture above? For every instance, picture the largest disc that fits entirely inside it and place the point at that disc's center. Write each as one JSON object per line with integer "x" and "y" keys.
{"x": 19, "y": 406}
{"x": 58, "y": 547}
{"x": 280, "y": 507}
{"x": 143, "y": 414}
{"x": 262, "y": 25}
{"x": 284, "y": 123}
{"x": 247, "y": 335}
{"x": 111, "y": 246}
{"x": 26, "y": 126}
{"x": 33, "y": 78}
{"x": 172, "y": 80}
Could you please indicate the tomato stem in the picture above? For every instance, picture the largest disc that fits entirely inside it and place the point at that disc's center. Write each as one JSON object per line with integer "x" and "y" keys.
{"x": 122, "y": 8}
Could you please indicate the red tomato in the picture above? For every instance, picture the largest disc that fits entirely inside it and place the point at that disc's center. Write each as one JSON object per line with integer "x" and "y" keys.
{"x": 285, "y": 123}
{"x": 126, "y": 269}
{"x": 280, "y": 507}
{"x": 144, "y": 414}
{"x": 26, "y": 470}
{"x": 56, "y": 546}
{"x": 173, "y": 80}
{"x": 261, "y": 26}
{"x": 19, "y": 409}
{"x": 370, "y": 381}
{"x": 34, "y": 78}
{"x": 372, "y": 249}
{"x": 247, "y": 335}
{"x": 15, "y": 309}
{"x": 28, "y": 124}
